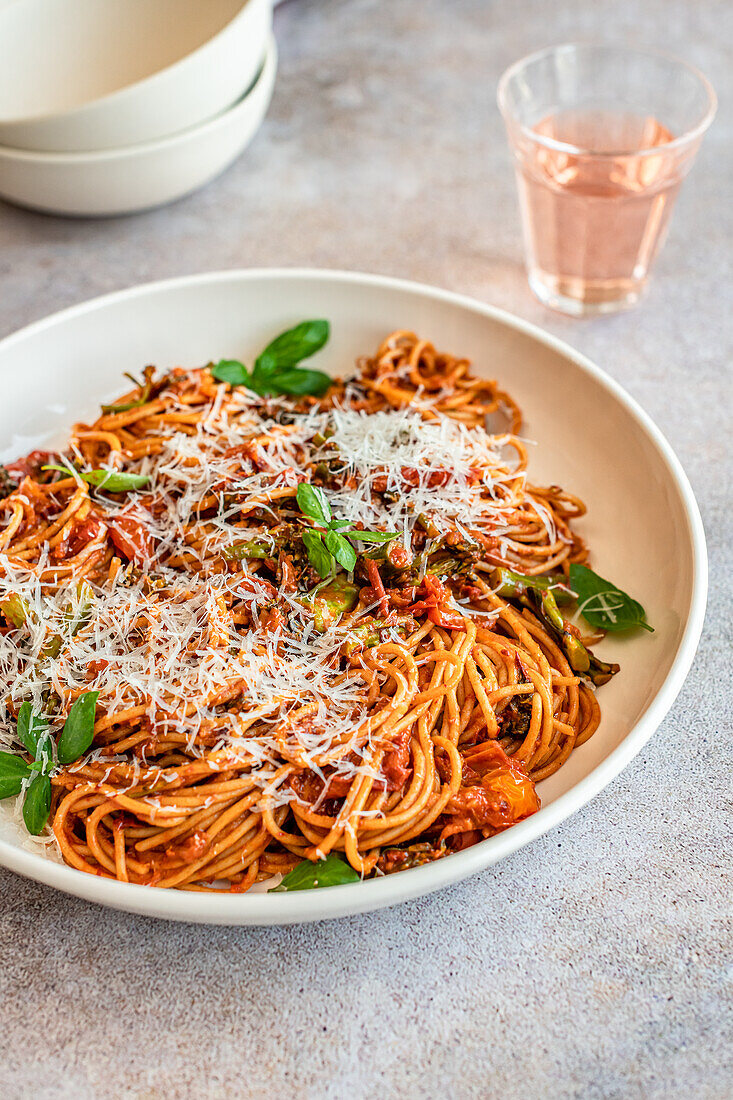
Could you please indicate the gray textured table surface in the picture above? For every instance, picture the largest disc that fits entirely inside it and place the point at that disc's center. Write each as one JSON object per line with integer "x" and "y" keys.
{"x": 594, "y": 964}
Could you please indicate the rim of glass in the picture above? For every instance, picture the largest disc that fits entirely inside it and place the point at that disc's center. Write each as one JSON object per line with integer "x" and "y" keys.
{"x": 566, "y": 147}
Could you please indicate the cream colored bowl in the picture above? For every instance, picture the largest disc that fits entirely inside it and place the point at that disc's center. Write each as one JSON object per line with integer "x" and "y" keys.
{"x": 86, "y": 75}
{"x": 643, "y": 524}
{"x": 123, "y": 181}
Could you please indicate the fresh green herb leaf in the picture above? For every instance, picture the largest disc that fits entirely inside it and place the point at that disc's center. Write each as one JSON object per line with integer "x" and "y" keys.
{"x": 371, "y": 536}
{"x": 111, "y": 480}
{"x": 37, "y": 804}
{"x": 330, "y": 871}
{"x": 32, "y": 730}
{"x": 295, "y": 383}
{"x": 232, "y": 372}
{"x": 604, "y": 605}
{"x": 265, "y": 365}
{"x": 13, "y": 770}
{"x": 275, "y": 370}
{"x": 78, "y": 732}
{"x": 313, "y": 503}
{"x": 318, "y": 555}
{"x": 292, "y": 346}
{"x": 341, "y": 550}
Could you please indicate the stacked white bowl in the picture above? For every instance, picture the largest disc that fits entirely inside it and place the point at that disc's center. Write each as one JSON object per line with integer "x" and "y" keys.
{"x": 114, "y": 106}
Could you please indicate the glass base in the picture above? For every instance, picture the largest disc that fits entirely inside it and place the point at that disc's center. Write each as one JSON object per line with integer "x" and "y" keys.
{"x": 577, "y": 298}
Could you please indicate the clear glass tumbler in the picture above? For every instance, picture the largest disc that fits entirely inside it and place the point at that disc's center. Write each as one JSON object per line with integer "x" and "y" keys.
{"x": 602, "y": 138}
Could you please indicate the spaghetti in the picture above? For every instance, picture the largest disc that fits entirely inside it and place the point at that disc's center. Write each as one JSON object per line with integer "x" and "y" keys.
{"x": 252, "y": 712}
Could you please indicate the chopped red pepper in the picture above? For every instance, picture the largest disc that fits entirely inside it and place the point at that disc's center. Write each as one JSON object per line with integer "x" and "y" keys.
{"x": 376, "y": 582}
{"x": 132, "y": 538}
{"x": 437, "y": 594}
{"x": 80, "y": 536}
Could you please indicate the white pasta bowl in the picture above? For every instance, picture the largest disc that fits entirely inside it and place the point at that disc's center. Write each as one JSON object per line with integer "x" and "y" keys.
{"x": 609, "y": 452}
{"x": 138, "y": 177}
{"x": 82, "y": 75}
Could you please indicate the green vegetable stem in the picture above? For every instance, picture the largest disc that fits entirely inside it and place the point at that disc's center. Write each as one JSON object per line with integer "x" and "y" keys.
{"x": 538, "y": 594}
{"x": 333, "y": 600}
{"x": 137, "y": 402}
{"x": 248, "y": 548}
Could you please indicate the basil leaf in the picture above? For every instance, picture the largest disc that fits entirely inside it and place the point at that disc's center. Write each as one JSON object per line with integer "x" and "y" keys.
{"x": 372, "y": 536}
{"x": 32, "y": 729}
{"x": 292, "y": 346}
{"x": 115, "y": 482}
{"x": 296, "y": 383}
{"x": 343, "y": 551}
{"x": 11, "y": 784}
{"x": 604, "y": 605}
{"x": 274, "y": 370}
{"x": 231, "y": 371}
{"x": 313, "y": 503}
{"x": 37, "y": 804}
{"x": 78, "y": 732}
{"x": 330, "y": 871}
{"x": 318, "y": 555}
{"x": 13, "y": 770}
{"x": 112, "y": 480}
{"x": 264, "y": 366}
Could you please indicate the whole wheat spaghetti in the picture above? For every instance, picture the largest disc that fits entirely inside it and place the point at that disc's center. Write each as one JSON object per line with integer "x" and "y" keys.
{"x": 264, "y": 695}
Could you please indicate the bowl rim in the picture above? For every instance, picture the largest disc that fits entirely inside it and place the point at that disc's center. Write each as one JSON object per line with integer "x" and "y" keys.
{"x": 265, "y": 74}
{"x": 284, "y": 908}
{"x": 128, "y": 90}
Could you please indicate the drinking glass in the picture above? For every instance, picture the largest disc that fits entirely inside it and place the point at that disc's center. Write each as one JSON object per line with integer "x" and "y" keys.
{"x": 602, "y": 137}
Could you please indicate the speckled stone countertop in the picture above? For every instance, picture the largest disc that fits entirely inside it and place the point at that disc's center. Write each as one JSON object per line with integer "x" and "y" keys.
{"x": 595, "y": 963}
